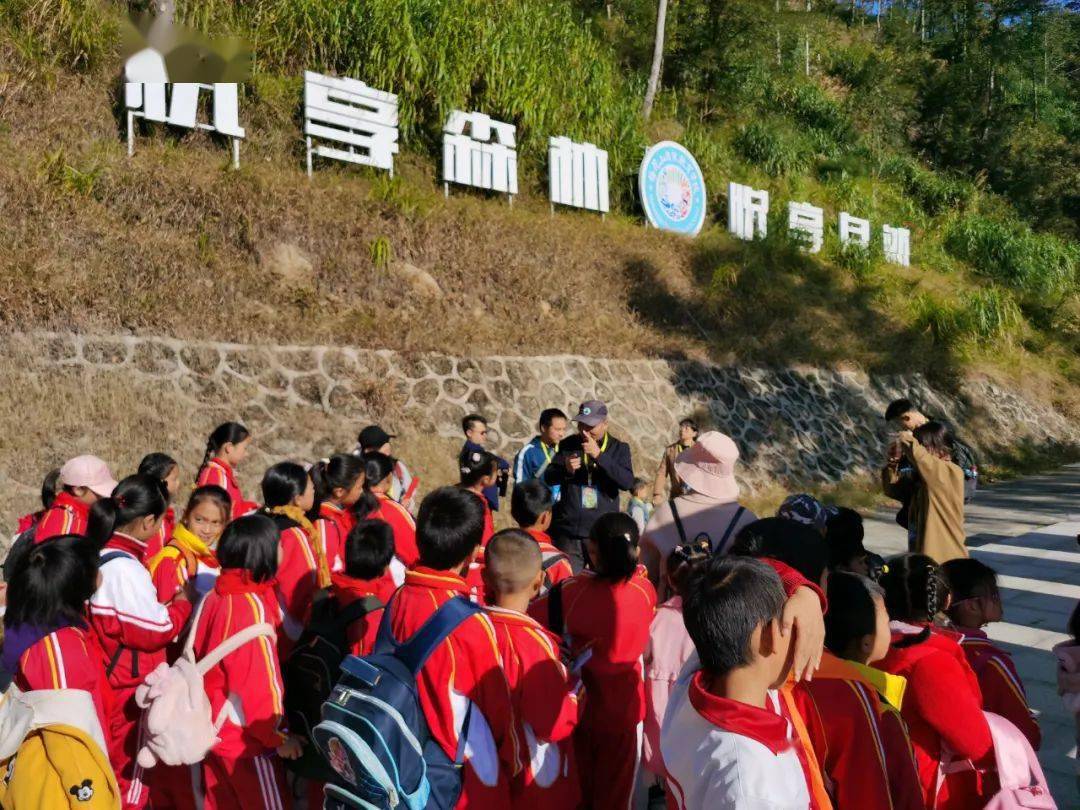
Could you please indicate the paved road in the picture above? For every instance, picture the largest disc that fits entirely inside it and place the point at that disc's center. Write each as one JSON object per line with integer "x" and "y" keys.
{"x": 1027, "y": 530}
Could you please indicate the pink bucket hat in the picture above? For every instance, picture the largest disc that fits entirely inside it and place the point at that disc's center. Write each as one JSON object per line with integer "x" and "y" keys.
{"x": 90, "y": 472}
{"x": 708, "y": 467}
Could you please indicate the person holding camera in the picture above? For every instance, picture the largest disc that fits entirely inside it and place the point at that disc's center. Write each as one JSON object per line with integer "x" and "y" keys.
{"x": 475, "y": 428}
{"x": 591, "y": 468}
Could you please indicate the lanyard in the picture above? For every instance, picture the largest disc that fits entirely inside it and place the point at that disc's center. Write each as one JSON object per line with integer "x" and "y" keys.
{"x": 548, "y": 454}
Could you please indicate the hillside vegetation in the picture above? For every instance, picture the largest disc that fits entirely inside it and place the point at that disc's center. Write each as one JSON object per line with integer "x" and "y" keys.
{"x": 959, "y": 121}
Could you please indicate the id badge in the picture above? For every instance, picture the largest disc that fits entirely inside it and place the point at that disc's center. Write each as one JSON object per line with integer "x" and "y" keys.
{"x": 589, "y": 498}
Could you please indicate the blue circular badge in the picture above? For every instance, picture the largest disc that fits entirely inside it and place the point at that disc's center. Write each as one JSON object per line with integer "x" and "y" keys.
{"x": 672, "y": 189}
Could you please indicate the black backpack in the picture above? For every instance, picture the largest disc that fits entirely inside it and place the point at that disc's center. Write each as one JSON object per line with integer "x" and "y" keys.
{"x": 311, "y": 670}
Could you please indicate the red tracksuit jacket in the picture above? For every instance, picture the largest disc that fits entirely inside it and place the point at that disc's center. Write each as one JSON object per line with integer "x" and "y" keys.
{"x": 546, "y": 709}
{"x": 843, "y": 718}
{"x": 346, "y": 590}
{"x": 466, "y": 667}
{"x": 249, "y": 678}
{"x": 297, "y": 577}
{"x": 132, "y": 626}
{"x": 942, "y": 705}
{"x": 219, "y": 473}
{"x": 404, "y": 527}
{"x": 334, "y": 524}
{"x": 67, "y": 515}
{"x": 612, "y": 619}
{"x": 68, "y": 658}
{"x": 558, "y": 564}
{"x": 1002, "y": 690}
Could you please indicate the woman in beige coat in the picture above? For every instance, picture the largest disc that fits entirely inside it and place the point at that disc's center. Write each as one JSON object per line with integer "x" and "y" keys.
{"x": 937, "y": 505}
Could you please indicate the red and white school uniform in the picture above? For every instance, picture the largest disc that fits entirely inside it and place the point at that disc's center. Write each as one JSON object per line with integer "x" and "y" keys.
{"x": 169, "y": 568}
{"x": 133, "y": 629}
{"x": 942, "y": 706}
{"x": 297, "y": 577}
{"x": 219, "y": 473}
{"x": 404, "y": 526}
{"x": 725, "y": 755}
{"x": 1002, "y": 690}
{"x": 361, "y": 633}
{"x": 334, "y": 524}
{"x": 466, "y": 667}
{"x": 68, "y": 658}
{"x": 612, "y": 619}
{"x": 547, "y": 710}
{"x": 555, "y": 563}
{"x": 841, "y": 717}
{"x": 67, "y": 515}
{"x": 243, "y": 770}
{"x": 164, "y": 534}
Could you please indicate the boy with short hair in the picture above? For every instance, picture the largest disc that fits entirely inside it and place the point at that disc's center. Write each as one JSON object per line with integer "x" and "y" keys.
{"x": 724, "y": 743}
{"x": 976, "y": 602}
{"x": 544, "y": 694}
{"x": 844, "y": 535}
{"x": 369, "y": 548}
{"x": 467, "y": 667}
{"x": 530, "y": 506}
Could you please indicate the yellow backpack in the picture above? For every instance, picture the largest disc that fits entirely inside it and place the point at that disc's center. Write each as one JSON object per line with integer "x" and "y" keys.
{"x": 52, "y": 752}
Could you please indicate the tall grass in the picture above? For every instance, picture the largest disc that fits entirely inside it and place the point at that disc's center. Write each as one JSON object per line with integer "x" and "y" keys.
{"x": 986, "y": 315}
{"x": 772, "y": 148}
{"x": 75, "y": 34}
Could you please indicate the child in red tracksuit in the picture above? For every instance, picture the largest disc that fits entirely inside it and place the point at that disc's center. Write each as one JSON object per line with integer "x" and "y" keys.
{"x": 83, "y": 481}
{"x": 369, "y": 548}
{"x": 530, "y": 506}
{"x": 376, "y": 503}
{"x": 606, "y": 613}
{"x": 339, "y": 483}
{"x": 545, "y": 695}
{"x": 851, "y": 709}
{"x": 47, "y": 641}
{"x": 943, "y": 702}
{"x": 289, "y": 495}
{"x": 975, "y": 601}
{"x": 226, "y": 448}
{"x": 467, "y": 667}
{"x": 479, "y": 471}
{"x": 244, "y": 769}
{"x": 164, "y": 468}
{"x": 132, "y": 626}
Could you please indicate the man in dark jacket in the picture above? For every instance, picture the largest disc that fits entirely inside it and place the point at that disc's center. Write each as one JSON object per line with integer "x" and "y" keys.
{"x": 591, "y": 468}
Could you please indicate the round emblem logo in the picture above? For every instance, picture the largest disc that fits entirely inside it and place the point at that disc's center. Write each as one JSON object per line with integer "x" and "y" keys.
{"x": 672, "y": 189}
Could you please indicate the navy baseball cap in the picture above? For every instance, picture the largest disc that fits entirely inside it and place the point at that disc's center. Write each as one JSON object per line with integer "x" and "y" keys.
{"x": 591, "y": 413}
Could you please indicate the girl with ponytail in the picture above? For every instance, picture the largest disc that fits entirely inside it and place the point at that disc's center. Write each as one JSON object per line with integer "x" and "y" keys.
{"x": 376, "y": 504}
{"x": 132, "y": 626}
{"x": 226, "y": 448}
{"x": 289, "y": 495}
{"x": 163, "y": 467}
{"x": 339, "y": 484}
{"x": 943, "y": 704}
{"x": 607, "y": 611}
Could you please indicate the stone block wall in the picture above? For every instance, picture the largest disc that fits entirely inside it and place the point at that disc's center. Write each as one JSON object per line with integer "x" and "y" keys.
{"x": 792, "y": 424}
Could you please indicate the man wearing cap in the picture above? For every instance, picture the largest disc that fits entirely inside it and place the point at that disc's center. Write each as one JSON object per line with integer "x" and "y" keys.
{"x": 403, "y": 488}
{"x": 710, "y": 507}
{"x": 83, "y": 481}
{"x": 591, "y": 468}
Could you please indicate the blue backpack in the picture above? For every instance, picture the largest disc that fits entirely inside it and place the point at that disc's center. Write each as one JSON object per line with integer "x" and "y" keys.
{"x": 373, "y": 732}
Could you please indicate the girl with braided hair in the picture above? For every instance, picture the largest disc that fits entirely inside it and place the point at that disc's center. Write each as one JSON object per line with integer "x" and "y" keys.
{"x": 227, "y": 446}
{"x": 943, "y": 704}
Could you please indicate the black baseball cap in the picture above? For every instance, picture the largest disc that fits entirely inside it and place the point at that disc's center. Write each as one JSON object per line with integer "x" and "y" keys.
{"x": 374, "y": 437}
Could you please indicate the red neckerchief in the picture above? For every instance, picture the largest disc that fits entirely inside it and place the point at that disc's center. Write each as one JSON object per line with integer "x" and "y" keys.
{"x": 768, "y": 728}
{"x": 351, "y": 589}
{"x": 127, "y": 543}
{"x": 424, "y": 577}
{"x": 238, "y": 580}
{"x": 65, "y": 500}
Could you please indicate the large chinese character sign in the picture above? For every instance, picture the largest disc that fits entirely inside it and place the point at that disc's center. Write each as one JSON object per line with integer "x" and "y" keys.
{"x": 578, "y": 174}
{"x": 360, "y": 122}
{"x": 672, "y": 189}
{"x": 484, "y": 157}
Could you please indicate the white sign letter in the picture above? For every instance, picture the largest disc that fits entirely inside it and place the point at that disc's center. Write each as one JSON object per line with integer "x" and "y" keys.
{"x": 577, "y": 174}
{"x": 348, "y": 112}
{"x": 748, "y": 211}
{"x": 854, "y": 230}
{"x": 804, "y": 218}
{"x": 896, "y": 243}
{"x": 485, "y": 158}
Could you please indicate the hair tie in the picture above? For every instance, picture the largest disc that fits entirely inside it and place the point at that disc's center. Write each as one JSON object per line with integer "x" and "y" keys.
{"x": 120, "y": 500}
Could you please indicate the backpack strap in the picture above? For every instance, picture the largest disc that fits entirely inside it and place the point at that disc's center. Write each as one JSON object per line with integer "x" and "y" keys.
{"x": 556, "y": 621}
{"x": 234, "y": 643}
{"x": 678, "y": 522}
{"x": 358, "y": 610}
{"x": 108, "y": 557}
{"x": 730, "y": 528}
{"x": 552, "y": 561}
{"x": 415, "y": 652}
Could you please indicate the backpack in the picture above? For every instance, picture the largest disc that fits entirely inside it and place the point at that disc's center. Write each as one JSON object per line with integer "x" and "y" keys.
{"x": 52, "y": 752}
{"x": 1022, "y": 783}
{"x": 178, "y": 724}
{"x": 373, "y": 732}
{"x": 720, "y": 547}
{"x": 312, "y": 668}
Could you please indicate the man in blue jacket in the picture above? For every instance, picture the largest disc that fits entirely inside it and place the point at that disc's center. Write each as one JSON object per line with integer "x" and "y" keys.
{"x": 592, "y": 467}
{"x": 475, "y": 428}
{"x": 533, "y": 459}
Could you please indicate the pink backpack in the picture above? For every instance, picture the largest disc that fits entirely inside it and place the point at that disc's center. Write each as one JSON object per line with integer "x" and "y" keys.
{"x": 1022, "y": 782}
{"x": 178, "y": 725}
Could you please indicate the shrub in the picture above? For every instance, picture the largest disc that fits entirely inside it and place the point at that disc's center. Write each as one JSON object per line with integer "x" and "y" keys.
{"x": 774, "y": 150}
{"x": 934, "y": 191}
{"x": 74, "y": 33}
{"x": 988, "y": 314}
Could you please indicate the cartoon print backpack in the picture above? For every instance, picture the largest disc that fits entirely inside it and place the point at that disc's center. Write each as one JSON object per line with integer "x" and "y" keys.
{"x": 178, "y": 726}
{"x": 52, "y": 752}
{"x": 1022, "y": 782}
{"x": 374, "y": 734}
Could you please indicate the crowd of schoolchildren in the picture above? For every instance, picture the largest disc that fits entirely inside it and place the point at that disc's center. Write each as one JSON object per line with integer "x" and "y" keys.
{"x": 553, "y": 690}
